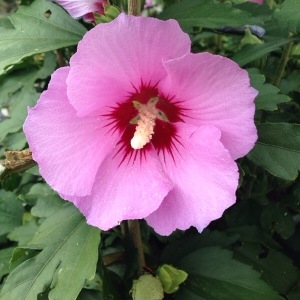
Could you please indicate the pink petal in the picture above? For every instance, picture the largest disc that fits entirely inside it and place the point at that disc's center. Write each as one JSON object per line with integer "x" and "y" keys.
{"x": 205, "y": 178}
{"x": 113, "y": 60}
{"x": 124, "y": 190}
{"x": 80, "y": 8}
{"x": 216, "y": 91}
{"x": 68, "y": 149}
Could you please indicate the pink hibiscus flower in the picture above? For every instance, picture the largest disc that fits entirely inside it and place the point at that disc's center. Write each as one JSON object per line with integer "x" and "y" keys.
{"x": 82, "y": 8}
{"x": 139, "y": 127}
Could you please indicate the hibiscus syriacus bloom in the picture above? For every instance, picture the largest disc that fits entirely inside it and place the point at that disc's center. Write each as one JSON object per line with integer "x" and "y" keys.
{"x": 82, "y": 8}
{"x": 139, "y": 127}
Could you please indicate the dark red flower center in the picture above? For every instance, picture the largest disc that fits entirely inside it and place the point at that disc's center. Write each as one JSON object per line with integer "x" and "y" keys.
{"x": 145, "y": 109}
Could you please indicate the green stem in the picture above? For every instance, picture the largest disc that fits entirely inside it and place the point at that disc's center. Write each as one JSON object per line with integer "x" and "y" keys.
{"x": 135, "y": 233}
{"x": 283, "y": 61}
{"x": 134, "y": 7}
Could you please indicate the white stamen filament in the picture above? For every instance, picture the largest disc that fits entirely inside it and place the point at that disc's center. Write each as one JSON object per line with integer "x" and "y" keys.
{"x": 145, "y": 126}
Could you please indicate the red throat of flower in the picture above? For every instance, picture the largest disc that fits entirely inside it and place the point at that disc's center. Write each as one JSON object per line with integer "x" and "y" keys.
{"x": 145, "y": 118}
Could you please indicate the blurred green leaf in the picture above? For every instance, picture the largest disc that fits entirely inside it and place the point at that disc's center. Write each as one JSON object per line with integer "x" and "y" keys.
{"x": 11, "y": 212}
{"x": 183, "y": 246}
{"x": 206, "y": 13}
{"x": 278, "y": 149}
{"x": 5, "y": 255}
{"x": 288, "y": 17}
{"x": 17, "y": 92}
{"x": 41, "y": 27}
{"x": 24, "y": 234}
{"x": 250, "y": 53}
{"x": 276, "y": 217}
{"x": 268, "y": 96}
{"x": 68, "y": 257}
{"x": 214, "y": 275}
{"x": 276, "y": 268}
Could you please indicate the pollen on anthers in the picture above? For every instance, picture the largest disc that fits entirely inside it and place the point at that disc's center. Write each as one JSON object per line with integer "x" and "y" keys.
{"x": 145, "y": 120}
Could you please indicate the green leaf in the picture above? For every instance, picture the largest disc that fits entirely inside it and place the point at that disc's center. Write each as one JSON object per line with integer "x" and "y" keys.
{"x": 278, "y": 149}
{"x": 283, "y": 277}
{"x": 24, "y": 234}
{"x": 5, "y": 255}
{"x": 41, "y": 27}
{"x": 171, "y": 278}
{"x": 68, "y": 257}
{"x": 288, "y": 17}
{"x": 276, "y": 217}
{"x": 268, "y": 96}
{"x": 214, "y": 275}
{"x": 205, "y": 13}
{"x": 17, "y": 92}
{"x": 11, "y": 212}
{"x": 250, "y": 53}
{"x": 174, "y": 251}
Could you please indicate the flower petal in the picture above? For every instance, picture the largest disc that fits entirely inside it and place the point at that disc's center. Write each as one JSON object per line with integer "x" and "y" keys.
{"x": 114, "y": 59}
{"x": 79, "y": 8}
{"x": 215, "y": 90}
{"x": 124, "y": 190}
{"x": 205, "y": 178}
{"x": 68, "y": 149}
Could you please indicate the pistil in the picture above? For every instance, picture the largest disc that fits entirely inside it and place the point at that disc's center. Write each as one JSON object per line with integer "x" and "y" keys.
{"x": 145, "y": 123}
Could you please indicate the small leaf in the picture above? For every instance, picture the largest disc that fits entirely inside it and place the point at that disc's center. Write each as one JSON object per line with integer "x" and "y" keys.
{"x": 276, "y": 217}
{"x": 171, "y": 278}
{"x": 268, "y": 96}
{"x": 214, "y": 275}
{"x": 5, "y": 256}
{"x": 288, "y": 17}
{"x": 204, "y": 13}
{"x": 250, "y": 53}
{"x": 278, "y": 149}
{"x": 11, "y": 212}
{"x": 24, "y": 234}
{"x": 69, "y": 251}
{"x": 36, "y": 32}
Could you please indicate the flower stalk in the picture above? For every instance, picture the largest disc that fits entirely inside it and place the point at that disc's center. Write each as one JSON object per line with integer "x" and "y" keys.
{"x": 283, "y": 61}
{"x": 135, "y": 234}
{"x": 134, "y": 7}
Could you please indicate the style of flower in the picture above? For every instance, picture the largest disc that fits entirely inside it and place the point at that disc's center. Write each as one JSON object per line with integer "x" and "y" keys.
{"x": 82, "y": 8}
{"x": 139, "y": 127}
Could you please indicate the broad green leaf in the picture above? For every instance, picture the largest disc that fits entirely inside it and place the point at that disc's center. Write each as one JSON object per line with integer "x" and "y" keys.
{"x": 5, "y": 255}
{"x": 68, "y": 257}
{"x": 288, "y": 17}
{"x": 205, "y": 13}
{"x": 214, "y": 275}
{"x": 250, "y": 53}
{"x": 174, "y": 251}
{"x": 11, "y": 212}
{"x": 268, "y": 96}
{"x": 41, "y": 27}
{"x": 278, "y": 149}
{"x": 282, "y": 277}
